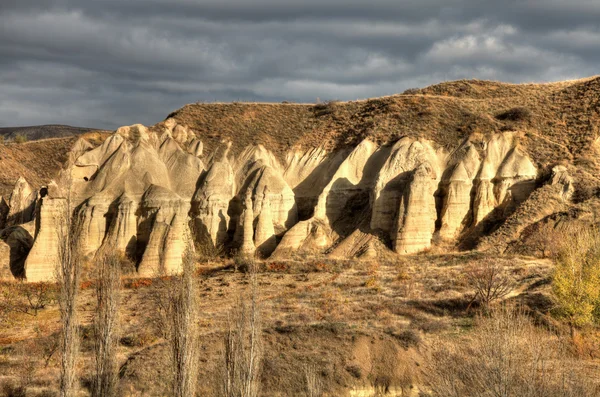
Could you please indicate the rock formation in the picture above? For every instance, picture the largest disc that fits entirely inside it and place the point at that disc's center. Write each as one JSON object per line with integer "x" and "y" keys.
{"x": 150, "y": 192}
{"x": 21, "y": 204}
{"x": 417, "y": 214}
{"x": 43, "y": 259}
{"x": 457, "y": 201}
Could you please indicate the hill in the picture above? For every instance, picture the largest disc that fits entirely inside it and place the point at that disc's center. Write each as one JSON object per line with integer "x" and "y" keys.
{"x": 38, "y": 161}
{"x": 557, "y": 122}
{"x": 33, "y": 133}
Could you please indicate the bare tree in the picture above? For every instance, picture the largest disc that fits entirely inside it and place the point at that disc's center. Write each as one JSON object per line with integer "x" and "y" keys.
{"x": 240, "y": 372}
{"x": 314, "y": 384}
{"x": 108, "y": 284}
{"x": 488, "y": 279}
{"x": 182, "y": 329}
{"x": 67, "y": 275}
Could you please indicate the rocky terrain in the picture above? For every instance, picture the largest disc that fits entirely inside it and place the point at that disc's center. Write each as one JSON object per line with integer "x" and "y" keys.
{"x": 446, "y": 166}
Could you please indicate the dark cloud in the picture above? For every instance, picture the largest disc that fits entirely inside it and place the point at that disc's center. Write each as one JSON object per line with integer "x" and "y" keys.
{"x": 106, "y": 63}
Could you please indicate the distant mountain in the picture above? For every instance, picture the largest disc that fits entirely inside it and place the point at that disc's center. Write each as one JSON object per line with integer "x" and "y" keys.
{"x": 37, "y": 132}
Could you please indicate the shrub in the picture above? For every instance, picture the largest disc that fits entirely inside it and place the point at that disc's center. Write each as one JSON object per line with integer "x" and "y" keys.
{"x": 412, "y": 91}
{"x": 584, "y": 190}
{"x": 515, "y": 114}
{"x": 13, "y": 390}
{"x": 244, "y": 263}
{"x": 506, "y": 355}
{"x": 576, "y": 277}
{"x": 20, "y": 138}
{"x": 489, "y": 281}
{"x": 28, "y": 298}
{"x": 407, "y": 337}
{"x": 325, "y": 108}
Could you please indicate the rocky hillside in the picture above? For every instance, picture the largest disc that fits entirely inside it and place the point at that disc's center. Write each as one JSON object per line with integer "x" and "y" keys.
{"x": 459, "y": 165}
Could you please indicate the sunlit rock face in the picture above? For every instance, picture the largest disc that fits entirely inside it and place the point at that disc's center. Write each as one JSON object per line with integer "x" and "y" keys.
{"x": 21, "y": 204}
{"x": 394, "y": 178}
{"x": 505, "y": 172}
{"x": 212, "y": 202}
{"x": 152, "y": 193}
{"x": 456, "y": 209}
{"x": 416, "y": 215}
{"x": 43, "y": 259}
{"x": 163, "y": 233}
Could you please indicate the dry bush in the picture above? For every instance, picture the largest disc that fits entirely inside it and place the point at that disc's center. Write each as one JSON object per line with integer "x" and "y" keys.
{"x": 35, "y": 296}
{"x": 244, "y": 263}
{"x": 27, "y": 298}
{"x": 182, "y": 330}
{"x": 544, "y": 241}
{"x": 505, "y": 355}
{"x": 108, "y": 285}
{"x": 584, "y": 190}
{"x": 242, "y": 355}
{"x": 389, "y": 370}
{"x": 325, "y": 108}
{"x": 67, "y": 275}
{"x": 490, "y": 282}
{"x": 576, "y": 278}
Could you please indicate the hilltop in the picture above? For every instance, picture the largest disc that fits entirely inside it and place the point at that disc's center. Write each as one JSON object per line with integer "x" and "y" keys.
{"x": 36, "y": 132}
{"x": 556, "y": 122}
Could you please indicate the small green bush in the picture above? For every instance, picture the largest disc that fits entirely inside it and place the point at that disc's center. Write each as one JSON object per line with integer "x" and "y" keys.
{"x": 576, "y": 278}
{"x": 20, "y": 138}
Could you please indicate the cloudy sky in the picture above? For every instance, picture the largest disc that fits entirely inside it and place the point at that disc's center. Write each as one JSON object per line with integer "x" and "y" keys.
{"x": 106, "y": 63}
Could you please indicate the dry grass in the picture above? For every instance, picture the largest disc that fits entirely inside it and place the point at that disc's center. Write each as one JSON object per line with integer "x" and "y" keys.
{"x": 323, "y": 316}
{"x": 506, "y": 355}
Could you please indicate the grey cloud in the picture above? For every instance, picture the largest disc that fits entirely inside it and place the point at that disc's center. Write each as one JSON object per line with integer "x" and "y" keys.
{"x": 111, "y": 62}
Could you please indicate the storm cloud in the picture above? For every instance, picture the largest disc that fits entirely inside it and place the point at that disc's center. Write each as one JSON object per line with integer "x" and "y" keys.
{"x": 106, "y": 63}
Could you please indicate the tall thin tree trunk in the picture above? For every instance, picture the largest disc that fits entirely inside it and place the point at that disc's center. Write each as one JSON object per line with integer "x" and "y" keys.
{"x": 108, "y": 284}
{"x": 68, "y": 279}
{"x": 184, "y": 331}
{"x": 243, "y": 346}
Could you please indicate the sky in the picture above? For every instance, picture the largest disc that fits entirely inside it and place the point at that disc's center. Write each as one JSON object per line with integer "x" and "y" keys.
{"x": 107, "y": 63}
